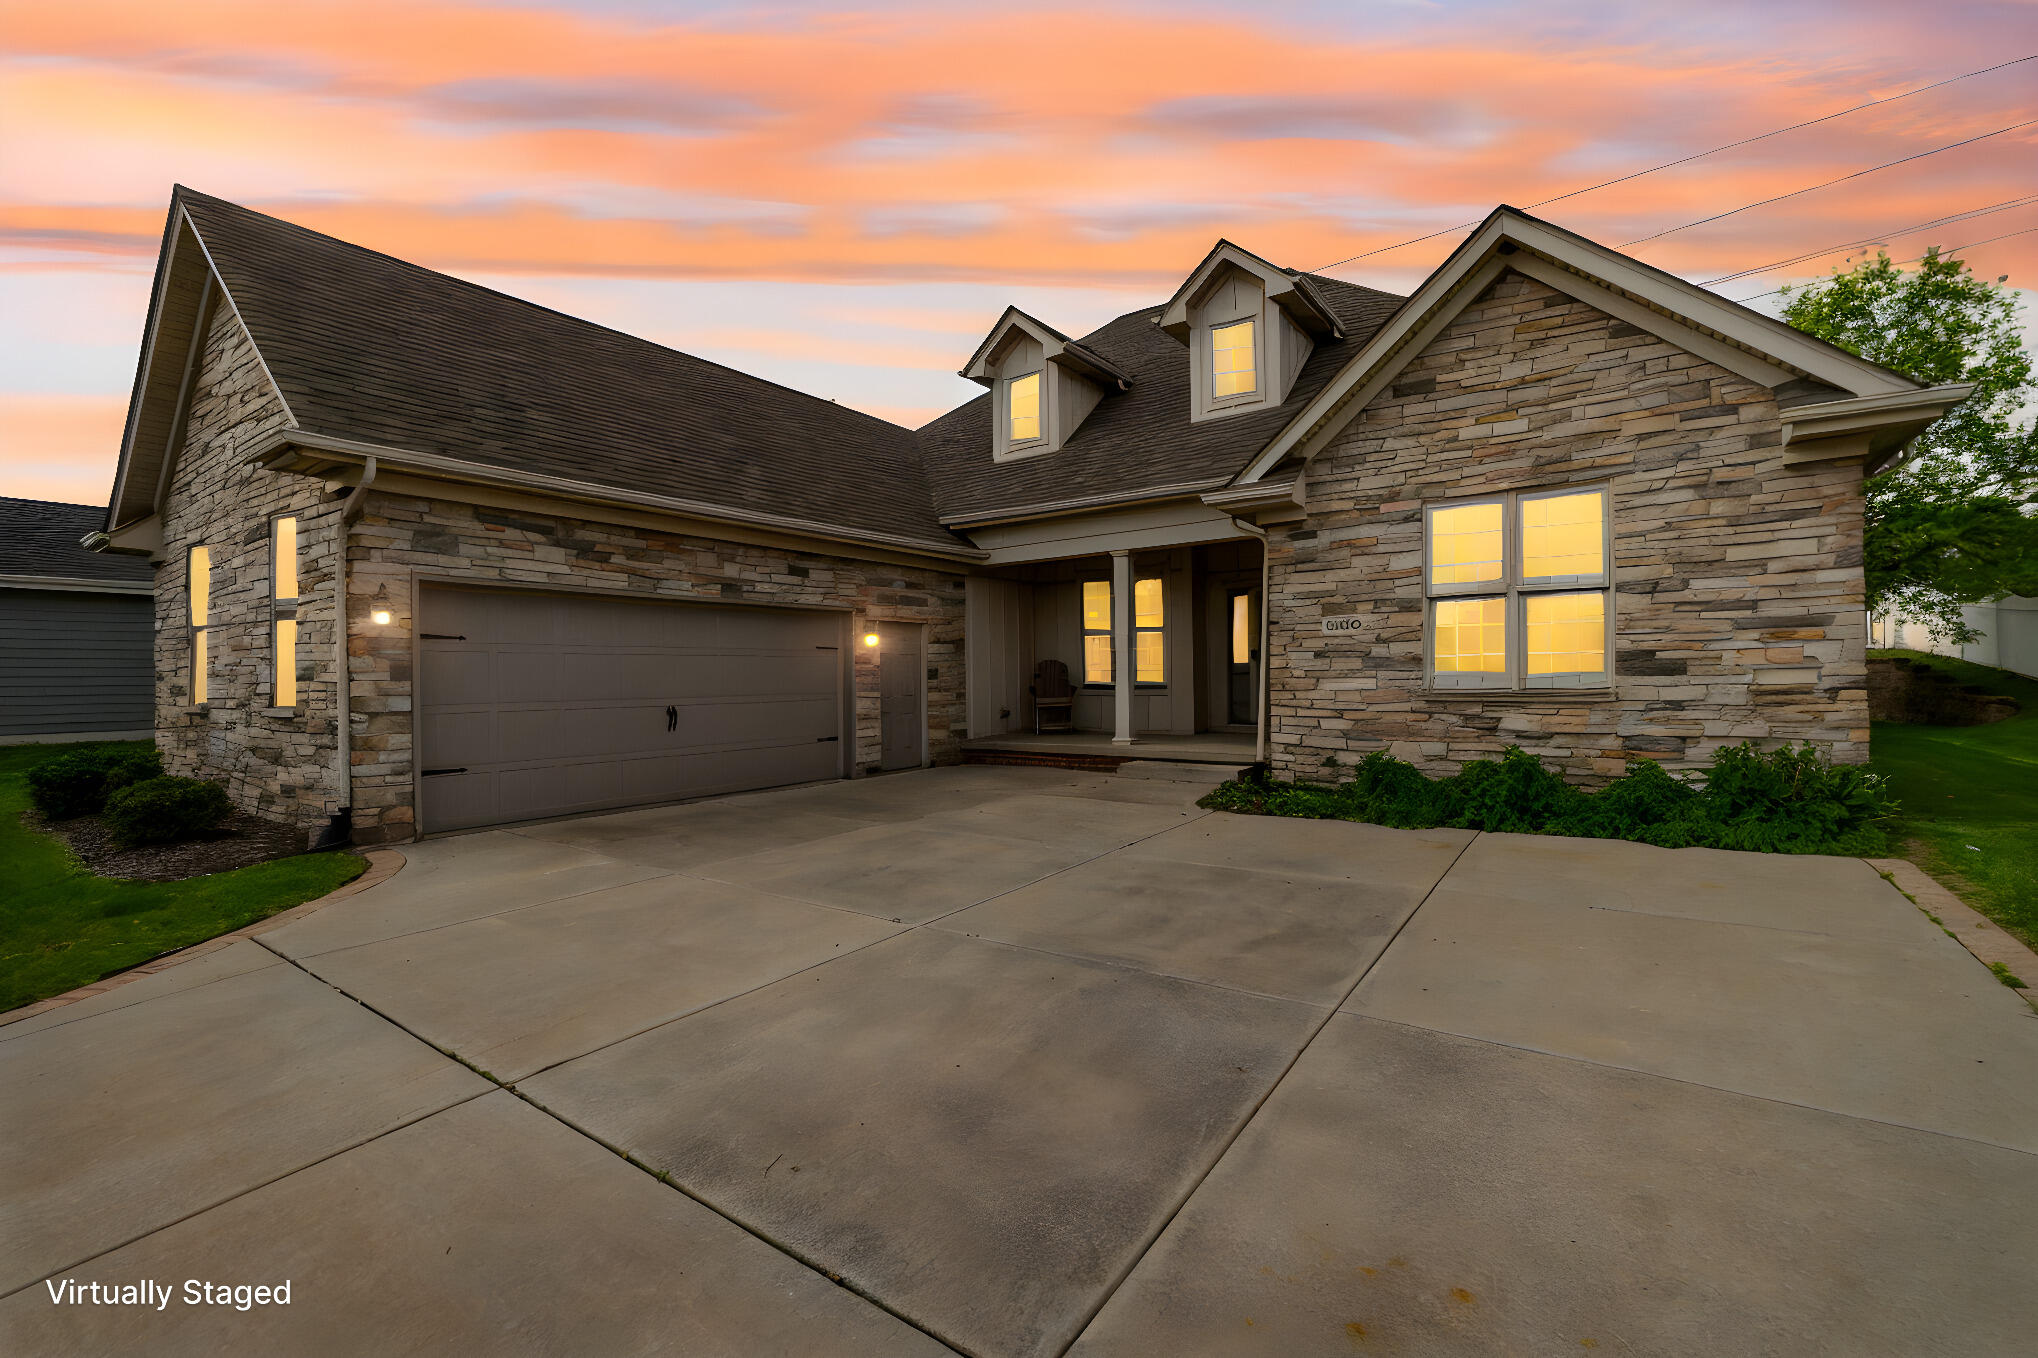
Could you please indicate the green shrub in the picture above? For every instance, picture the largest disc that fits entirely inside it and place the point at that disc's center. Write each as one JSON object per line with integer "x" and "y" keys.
{"x": 164, "y": 810}
{"x": 1789, "y": 800}
{"x": 77, "y": 784}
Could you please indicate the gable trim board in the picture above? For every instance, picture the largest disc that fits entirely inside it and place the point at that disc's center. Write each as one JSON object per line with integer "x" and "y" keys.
{"x": 1745, "y": 342}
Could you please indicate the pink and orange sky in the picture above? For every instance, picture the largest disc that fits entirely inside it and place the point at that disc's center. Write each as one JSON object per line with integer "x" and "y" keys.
{"x": 844, "y": 199}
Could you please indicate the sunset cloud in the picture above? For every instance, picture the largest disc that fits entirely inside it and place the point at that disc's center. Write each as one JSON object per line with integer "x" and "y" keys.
{"x": 668, "y": 175}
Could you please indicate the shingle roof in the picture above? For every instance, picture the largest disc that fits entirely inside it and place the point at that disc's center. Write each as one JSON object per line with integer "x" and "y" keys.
{"x": 1140, "y": 439}
{"x": 40, "y": 537}
{"x": 369, "y": 348}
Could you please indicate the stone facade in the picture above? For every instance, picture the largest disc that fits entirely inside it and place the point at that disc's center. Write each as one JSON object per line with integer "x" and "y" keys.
{"x": 1738, "y": 584}
{"x": 283, "y": 764}
{"x": 400, "y": 535}
{"x": 278, "y": 763}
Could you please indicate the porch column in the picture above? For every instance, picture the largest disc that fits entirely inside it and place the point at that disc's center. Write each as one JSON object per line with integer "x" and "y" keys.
{"x": 1123, "y": 661}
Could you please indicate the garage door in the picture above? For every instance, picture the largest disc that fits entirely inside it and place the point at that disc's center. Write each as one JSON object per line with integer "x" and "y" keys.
{"x": 534, "y": 705}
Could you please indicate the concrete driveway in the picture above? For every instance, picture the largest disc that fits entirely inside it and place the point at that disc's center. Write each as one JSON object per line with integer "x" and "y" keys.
{"x": 1009, "y": 1060}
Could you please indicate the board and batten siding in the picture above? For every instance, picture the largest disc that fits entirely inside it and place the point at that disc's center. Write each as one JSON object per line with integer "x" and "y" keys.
{"x": 75, "y": 665}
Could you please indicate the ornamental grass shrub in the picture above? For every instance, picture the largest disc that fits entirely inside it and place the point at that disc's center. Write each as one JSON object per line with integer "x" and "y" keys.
{"x": 165, "y": 810}
{"x": 78, "y": 784}
{"x": 1788, "y": 800}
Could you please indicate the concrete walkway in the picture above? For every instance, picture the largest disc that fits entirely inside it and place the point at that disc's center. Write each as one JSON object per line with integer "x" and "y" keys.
{"x": 1007, "y": 1060}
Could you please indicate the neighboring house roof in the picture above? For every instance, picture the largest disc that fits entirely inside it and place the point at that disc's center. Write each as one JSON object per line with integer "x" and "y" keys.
{"x": 1139, "y": 441}
{"x": 368, "y": 348}
{"x": 39, "y": 541}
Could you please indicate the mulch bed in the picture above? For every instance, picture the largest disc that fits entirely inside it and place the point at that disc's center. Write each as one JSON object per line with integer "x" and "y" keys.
{"x": 240, "y": 841}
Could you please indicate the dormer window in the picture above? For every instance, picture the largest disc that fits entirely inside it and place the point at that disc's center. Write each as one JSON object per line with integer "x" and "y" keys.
{"x": 1249, "y": 327}
{"x": 1023, "y": 402}
{"x": 1232, "y": 370}
{"x": 1043, "y": 385}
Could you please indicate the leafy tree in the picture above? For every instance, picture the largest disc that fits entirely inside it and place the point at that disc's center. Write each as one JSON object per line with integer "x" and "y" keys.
{"x": 1956, "y": 524}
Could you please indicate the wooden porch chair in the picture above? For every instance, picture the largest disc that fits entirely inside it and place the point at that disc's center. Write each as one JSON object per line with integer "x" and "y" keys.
{"x": 1052, "y": 694}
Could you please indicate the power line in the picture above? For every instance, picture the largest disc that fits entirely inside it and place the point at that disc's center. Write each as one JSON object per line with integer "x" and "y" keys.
{"x": 1700, "y": 155}
{"x": 1879, "y": 237}
{"x": 1814, "y": 188}
{"x": 1943, "y": 254}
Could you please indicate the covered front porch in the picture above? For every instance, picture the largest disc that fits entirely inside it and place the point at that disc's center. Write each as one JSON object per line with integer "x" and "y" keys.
{"x": 1158, "y": 628}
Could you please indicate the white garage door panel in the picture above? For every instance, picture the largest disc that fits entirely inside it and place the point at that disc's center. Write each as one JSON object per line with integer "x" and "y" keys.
{"x": 534, "y": 705}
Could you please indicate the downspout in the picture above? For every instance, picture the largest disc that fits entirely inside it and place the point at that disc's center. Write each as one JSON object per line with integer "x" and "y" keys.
{"x": 1262, "y": 710}
{"x": 350, "y": 510}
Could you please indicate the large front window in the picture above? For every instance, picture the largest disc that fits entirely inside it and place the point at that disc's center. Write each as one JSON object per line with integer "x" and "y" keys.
{"x": 1022, "y": 399}
{"x": 1233, "y": 371}
{"x": 1519, "y": 590}
{"x": 1149, "y": 632}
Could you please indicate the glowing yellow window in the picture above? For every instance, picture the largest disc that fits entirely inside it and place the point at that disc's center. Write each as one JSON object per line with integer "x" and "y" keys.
{"x": 1566, "y": 633}
{"x": 1563, "y": 537}
{"x": 283, "y": 578}
{"x": 1232, "y": 368}
{"x": 1096, "y": 631}
{"x": 1024, "y": 397}
{"x": 1471, "y": 636}
{"x": 1241, "y": 630}
{"x": 198, "y": 587}
{"x": 286, "y": 557}
{"x": 286, "y": 662}
{"x": 1464, "y": 544}
{"x": 1148, "y": 646}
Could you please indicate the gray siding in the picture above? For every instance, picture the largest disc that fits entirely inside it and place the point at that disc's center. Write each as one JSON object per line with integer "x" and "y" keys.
{"x": 75, "y": 662}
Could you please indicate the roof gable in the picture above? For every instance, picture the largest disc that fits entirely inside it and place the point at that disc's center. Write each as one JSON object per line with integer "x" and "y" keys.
{"x": 1293, "y": 292}
{"x": 373, "y": 354}
{"x": 1056, "y": 348}
{"x": 1759, "y": 347}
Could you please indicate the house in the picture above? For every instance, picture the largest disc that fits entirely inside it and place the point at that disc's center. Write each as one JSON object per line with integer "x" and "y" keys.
{"x": 77, "y": 655}
{"x": 1555, "y": 498}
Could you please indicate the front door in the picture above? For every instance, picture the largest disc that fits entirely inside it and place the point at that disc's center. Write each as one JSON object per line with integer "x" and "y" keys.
{"x": 1244, "y": 618}
{"x": 902, "y": 669}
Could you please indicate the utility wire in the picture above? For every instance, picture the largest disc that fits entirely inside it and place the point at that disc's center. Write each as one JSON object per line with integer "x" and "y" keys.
{"x": 1699, "y": 155}
{"x": 1814, "y": 188}
{"x": 1943, "y": 254}
{"x": 1878, "y": 238}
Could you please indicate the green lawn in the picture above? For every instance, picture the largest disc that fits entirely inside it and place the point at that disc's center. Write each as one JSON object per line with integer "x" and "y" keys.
{"x": 61, "y": 927}
{"x": 1977, "y": 786}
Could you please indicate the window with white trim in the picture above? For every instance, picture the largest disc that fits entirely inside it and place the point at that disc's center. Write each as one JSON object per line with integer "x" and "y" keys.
{"x": 1234, "y": 371}
{"x": 198, "y": 595}
{"x": 1520, "y": 591}
{"x": 283, "y": 611}
{"x": 1149, "y": 632}
{"x": 1022, "y": 403}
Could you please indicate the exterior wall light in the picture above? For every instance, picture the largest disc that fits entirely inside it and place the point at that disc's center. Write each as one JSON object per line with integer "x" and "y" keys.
{"x": 380, "y": 617}
{"x": 870, "y": 638}
{"x": 379, "y": 611}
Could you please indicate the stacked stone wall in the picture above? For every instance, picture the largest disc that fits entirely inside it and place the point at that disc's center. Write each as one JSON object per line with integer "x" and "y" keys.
{"x": 1738, "y": 585}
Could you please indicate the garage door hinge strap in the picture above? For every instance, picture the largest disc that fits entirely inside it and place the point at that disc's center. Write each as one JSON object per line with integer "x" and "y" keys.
{"x": 823, "y": 740}
{"x": 439, "y": 636}
{"x": 431, "y": 772}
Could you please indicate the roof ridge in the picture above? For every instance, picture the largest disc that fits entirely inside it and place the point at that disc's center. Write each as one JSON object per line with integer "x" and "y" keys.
{"x": 183, "y": 191}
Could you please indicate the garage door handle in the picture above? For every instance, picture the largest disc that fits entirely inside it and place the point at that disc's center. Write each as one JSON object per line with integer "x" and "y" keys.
{"x": 672, "y": 719}
{"x": 433, "y": 773}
